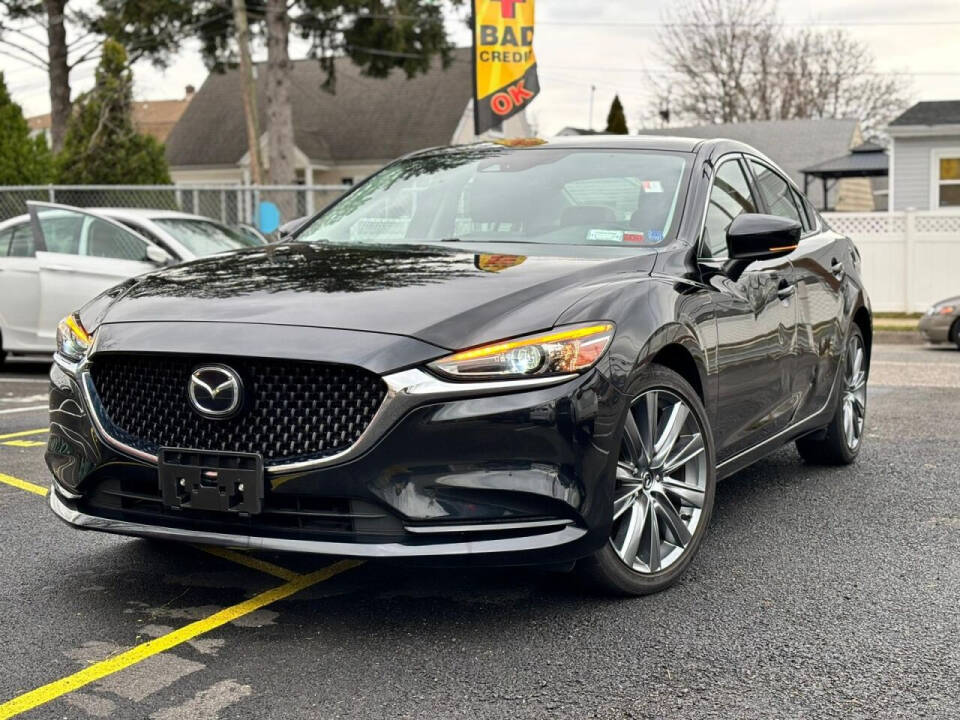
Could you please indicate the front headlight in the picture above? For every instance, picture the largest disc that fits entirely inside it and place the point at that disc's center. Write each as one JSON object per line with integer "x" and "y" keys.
{"x": 72, "y": 340}
{"x": 945, "y": 310}
{"x": 559, "y": 352}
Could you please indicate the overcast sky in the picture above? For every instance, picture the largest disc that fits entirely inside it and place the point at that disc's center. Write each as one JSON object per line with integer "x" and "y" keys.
{"x": 611, "y": 44}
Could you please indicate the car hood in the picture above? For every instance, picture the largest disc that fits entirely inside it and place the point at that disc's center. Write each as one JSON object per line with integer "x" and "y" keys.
{"x": 450, "y": 298}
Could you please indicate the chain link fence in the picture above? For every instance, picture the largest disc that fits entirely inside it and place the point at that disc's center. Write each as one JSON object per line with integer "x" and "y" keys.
{"x": 230, "y": 204}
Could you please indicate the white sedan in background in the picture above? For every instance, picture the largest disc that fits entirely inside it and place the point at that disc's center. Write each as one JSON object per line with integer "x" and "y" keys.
{"x": 50, "y": 268}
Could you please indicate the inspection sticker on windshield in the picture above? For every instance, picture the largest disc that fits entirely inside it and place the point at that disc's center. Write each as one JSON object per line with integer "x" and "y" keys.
{"x": 633, "y": 237}
{"x": 610, "y": 236}
{"x": 652, "y": 186}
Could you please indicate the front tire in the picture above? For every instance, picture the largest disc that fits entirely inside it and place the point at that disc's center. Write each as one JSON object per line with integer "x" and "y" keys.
{"x": 663, "y": 489}
{"x": 840, "y": 443}
{"x": 955, "y": 334}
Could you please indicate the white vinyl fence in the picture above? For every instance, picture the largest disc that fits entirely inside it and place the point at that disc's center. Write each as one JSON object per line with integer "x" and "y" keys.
{"x": 231, "y": 204}
{"x": 910, "y": 259}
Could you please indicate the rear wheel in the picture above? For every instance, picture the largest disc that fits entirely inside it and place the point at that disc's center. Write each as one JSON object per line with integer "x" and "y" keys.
{"x": 840, "y": 443}
{"x": 663, "y": 492}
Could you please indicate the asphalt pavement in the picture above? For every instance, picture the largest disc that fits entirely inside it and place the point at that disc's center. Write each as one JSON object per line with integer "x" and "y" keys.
{"x": 819, "y": 592}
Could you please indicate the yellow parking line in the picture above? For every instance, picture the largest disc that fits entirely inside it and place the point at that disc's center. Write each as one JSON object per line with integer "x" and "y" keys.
{"x": 114, "y": 664}
{"x": 24, "y": 485}
{"x": 251, "y": 562}
{"x": 24, "y": 433}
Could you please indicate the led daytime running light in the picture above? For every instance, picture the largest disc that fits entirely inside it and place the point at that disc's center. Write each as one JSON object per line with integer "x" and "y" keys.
{"x": 498, "y": 348}
{"x": 74, "y": 324}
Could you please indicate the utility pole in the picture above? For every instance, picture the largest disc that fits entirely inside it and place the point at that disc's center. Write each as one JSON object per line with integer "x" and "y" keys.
{"x": 249, "y": 91}
{"x": 593, "y": 90}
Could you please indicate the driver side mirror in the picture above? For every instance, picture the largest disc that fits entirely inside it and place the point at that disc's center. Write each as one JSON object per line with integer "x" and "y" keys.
{"x": 158, "y": 256}
{"x": 754, "y": 236}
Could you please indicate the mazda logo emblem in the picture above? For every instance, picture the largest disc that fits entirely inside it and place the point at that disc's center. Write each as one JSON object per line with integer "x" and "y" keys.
{"x": 215, "y": 391}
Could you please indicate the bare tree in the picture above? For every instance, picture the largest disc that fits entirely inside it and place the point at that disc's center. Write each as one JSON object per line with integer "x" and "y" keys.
{"x": 733, "y": 61}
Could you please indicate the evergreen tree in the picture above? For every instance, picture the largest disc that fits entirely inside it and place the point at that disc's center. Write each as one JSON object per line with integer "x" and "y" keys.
{"x": 102, "y": 147}
{"x": 616, "y": 120}
{"x": 23, "y": 160}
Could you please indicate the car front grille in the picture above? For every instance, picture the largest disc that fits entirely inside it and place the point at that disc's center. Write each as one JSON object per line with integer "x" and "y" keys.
{"x": 292, "y": 411}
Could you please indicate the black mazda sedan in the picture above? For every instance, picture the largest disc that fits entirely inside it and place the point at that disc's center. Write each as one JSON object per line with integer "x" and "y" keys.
{"x": 515, "y": 352}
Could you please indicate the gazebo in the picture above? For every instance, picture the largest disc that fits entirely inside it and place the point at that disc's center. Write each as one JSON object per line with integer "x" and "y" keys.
{"x": 867, "y": 160}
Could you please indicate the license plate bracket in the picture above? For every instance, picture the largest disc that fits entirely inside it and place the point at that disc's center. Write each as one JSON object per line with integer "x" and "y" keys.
{"x": 213, "y": 481}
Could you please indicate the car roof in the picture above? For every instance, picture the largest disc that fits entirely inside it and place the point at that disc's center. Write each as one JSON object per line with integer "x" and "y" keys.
{"x": 146, "y": 214}
{"x": 671, "y": 143}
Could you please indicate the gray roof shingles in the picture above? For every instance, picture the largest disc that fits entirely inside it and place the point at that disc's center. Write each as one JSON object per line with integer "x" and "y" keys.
{"x": 366, "y": 119}
{"x": 934, "y": 112}
{"x": 792, "y": 144}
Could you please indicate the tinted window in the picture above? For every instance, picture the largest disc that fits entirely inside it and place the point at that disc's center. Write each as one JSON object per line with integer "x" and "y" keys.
{"x": 805, "y": 217}
{"x": 776, "y": 192}
{"x": 729, "y": 198}
{"x": 106, "y": 240}
{"x": 21, "y": 244}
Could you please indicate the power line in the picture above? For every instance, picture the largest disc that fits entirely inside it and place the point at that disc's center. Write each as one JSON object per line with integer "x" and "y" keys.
{"x": 791, "y": 23}
{"x": 670, "y": 71}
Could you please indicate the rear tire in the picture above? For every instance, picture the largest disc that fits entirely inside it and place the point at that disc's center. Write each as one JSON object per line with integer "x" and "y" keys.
{"x": 840, "y": 442}
{"x": 663, "y": 490}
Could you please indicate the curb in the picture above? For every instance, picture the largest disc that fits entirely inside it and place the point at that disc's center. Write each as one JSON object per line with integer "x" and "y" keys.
{"x": 898, "y": 337}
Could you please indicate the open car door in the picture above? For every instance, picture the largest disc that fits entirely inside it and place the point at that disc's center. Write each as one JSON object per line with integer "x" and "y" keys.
{"x": 80, "y": 254}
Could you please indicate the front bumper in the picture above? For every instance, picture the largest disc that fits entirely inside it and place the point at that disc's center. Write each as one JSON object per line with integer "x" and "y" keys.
{"x": 517, "y": 477}
{"x": 936, "y": 328}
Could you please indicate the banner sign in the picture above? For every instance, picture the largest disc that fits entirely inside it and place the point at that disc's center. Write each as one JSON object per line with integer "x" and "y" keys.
{"x": 505, "y": 68}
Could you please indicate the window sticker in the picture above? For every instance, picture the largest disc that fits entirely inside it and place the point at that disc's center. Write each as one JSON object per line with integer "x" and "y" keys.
{"x": 633, "y": 237}
{"x": 610, "y": 236}
{"x": 652, "y": 186}
{"x": 655, "y": 236}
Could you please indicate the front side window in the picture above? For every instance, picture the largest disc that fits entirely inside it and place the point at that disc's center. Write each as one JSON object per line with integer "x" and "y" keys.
{"x": 949, "y": 181}
{"x": 106, "y": 240}
{"x": 776, "y": 192}
{"x": 508, "y": 195}
{"x": 729, "y": 198}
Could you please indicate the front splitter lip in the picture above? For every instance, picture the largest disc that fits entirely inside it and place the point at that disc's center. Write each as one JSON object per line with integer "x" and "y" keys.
{"x": 524, "y": 544}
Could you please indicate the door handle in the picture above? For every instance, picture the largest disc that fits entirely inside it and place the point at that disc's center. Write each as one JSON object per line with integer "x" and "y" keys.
{"x": 786, "y": 290}
{"x": 837, "y": 269}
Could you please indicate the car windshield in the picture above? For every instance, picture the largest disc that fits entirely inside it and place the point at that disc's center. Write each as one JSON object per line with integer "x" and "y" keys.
{"x": 510, "y": 195}
{"x": 204, "y": 237}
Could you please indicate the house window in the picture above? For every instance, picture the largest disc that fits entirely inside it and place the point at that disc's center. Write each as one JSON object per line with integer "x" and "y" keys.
{"x": 949, "y": 181}
{"x": 348, "y": 181}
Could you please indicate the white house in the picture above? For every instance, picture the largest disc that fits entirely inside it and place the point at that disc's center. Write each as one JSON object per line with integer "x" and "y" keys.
{"x": 925, "y": 157}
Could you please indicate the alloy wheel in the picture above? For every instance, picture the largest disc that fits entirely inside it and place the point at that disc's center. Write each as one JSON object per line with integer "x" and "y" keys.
{"x": 661, "y": 482}
{"x": 854, "y": 393}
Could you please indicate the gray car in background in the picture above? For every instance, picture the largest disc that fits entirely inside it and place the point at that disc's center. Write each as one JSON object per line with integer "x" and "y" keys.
{"x": 942, "y": 322}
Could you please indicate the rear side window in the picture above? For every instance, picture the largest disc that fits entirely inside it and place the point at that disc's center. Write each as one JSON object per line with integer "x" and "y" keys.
{"x": 776, "y": 192}
{"x": 729, "y": 198}
{"x": 21, "y": 242}
{"x": 6, "y": 236}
